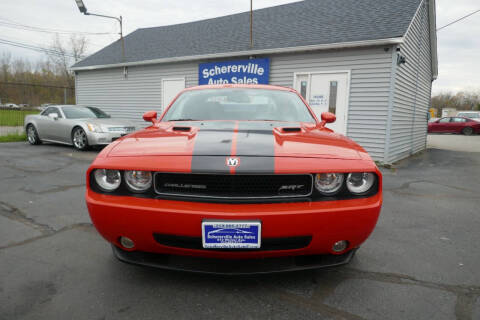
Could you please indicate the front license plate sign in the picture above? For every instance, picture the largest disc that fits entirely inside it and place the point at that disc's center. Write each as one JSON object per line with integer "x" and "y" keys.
{"x": 231, "y": 234}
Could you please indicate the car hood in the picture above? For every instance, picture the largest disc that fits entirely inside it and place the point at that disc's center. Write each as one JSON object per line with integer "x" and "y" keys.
{"x": 239, "y": 138}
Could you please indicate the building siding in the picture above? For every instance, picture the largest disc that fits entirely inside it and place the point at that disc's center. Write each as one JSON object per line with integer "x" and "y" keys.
{"x": 129, "y": 97}
{"x": 413, "y": 84}
{"x": 369, "y": 88}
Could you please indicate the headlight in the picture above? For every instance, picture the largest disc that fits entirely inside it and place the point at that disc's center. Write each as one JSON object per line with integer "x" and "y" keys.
{"x": 107, "y": 180}
{"x": 138, "y": 181}
{"x": 329, "y": 183}
{"x": 94, "y": 127}
{"x": 360, "y": 182}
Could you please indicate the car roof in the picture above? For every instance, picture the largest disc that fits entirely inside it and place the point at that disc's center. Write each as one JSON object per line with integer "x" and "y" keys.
{"x": 69, "y": 105}
{"x": 61, "y": 105}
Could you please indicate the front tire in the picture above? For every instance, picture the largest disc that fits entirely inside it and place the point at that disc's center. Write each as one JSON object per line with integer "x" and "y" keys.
{"x": 32, "y": 135}
{"x": 468, "y": 131}
{"x": 79, "y": 139}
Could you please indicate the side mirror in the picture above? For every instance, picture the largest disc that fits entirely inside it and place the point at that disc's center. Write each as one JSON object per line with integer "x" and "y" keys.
{"x": 150, "y": 116}
{"x": 53, "y": 116}
{"x": 328, "y": 117}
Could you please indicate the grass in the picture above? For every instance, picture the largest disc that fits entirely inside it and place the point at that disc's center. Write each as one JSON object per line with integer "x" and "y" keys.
{"x": 13, "y": 137}
{"x": 14, "y": 118}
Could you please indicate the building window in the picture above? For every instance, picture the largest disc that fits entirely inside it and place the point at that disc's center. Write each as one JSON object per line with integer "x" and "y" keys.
{"x": 303, "y": 89}
{"x": 332, "y": 101}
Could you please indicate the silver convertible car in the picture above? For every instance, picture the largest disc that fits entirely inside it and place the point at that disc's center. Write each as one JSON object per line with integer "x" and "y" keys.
{"x": 80, "y": 126}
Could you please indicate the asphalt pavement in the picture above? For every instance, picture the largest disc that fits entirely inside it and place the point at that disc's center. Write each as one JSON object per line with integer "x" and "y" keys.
{"x": 421, "y": 262}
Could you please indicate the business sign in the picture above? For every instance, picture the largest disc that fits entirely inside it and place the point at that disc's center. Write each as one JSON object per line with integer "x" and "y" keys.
{"x": 253, "y": 71}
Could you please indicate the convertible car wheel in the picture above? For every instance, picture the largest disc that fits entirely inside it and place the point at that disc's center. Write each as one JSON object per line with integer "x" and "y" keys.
{"x": 32, "y": 135}
{"x": 79, "y": 139}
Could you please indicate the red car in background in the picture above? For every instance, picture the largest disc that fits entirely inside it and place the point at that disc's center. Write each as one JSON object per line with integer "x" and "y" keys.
{"x": 462, "y": 125}
{"x": 235, "y": 179}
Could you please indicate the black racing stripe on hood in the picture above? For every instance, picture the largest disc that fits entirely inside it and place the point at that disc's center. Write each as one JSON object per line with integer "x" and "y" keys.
{"x": 213, "y": 143}
{"x": 255, "y": 147}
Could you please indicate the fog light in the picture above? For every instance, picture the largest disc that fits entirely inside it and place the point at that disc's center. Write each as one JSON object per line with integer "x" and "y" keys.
{"x": 340, "y": 246}
{"x": 127, "y": 242}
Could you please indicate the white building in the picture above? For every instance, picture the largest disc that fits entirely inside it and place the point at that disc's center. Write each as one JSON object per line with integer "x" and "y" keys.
{"x": 372, "y": 62}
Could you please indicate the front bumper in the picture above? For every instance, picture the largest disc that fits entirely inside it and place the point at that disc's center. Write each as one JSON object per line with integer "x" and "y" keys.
{"x": 103, "y": 138}
{"x": 325, "y": 222}
{"x": 232, "y": 266}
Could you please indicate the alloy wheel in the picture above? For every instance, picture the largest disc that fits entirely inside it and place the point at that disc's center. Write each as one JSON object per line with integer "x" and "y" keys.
{"x": 80, "y": 139}
{"x": 31, "y": 135}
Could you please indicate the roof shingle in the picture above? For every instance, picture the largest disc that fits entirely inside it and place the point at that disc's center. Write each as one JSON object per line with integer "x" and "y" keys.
{"x": 308, "y": 22}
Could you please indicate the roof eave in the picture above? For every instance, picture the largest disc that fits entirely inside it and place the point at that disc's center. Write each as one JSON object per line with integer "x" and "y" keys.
{"x": 329, "y": 46}
{"x": 432, "y": 33}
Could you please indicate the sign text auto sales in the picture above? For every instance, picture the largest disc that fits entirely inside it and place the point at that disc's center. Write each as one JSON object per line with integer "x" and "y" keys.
{"x": 253, "y": 71}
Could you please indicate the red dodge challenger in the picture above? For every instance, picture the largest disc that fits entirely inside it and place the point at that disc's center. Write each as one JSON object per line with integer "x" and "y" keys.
{"x": 235, "y": 179}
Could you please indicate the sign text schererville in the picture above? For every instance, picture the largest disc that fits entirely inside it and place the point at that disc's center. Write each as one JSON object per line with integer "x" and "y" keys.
{"x": 253, "y": 71}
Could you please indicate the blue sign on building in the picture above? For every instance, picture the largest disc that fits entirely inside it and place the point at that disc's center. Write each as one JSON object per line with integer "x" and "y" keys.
{"x": 253, "y": 71}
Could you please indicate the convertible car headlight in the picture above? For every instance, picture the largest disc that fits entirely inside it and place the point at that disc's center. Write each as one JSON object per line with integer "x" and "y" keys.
{"x": 107, "y": 180}
{"x": 329, "y": 183}
{"x": 360, "y": 182}
{"x": 138, "y": 181}
{"x": 94, "y": 127}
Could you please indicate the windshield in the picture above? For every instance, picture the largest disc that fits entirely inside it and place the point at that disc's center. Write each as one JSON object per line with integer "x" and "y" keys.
{"x": 239, "y": 104}
{"x": 84, "y": 113}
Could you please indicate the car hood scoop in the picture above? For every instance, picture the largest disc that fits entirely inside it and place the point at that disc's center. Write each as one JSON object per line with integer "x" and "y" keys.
{"x": 239, "y": 138}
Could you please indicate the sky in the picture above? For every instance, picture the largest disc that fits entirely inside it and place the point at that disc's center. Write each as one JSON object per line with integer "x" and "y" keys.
{"x": 458, "y": 45}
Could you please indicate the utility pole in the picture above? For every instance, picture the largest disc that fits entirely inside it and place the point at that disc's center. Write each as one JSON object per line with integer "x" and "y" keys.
{"x": 251, "y": 24}
{"x": 121, "y": 38}
{"x": 83, "y": 9}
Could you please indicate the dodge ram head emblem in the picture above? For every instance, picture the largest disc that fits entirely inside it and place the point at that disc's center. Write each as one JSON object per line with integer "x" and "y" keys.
{"x": 233, "y": 162}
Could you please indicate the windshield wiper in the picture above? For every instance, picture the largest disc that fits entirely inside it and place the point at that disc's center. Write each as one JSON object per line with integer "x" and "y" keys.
{"x": 183, "y": 120}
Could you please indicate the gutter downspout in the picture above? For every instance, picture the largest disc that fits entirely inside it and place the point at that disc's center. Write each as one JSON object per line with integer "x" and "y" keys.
{"x": 419, "y": 52}
{"x": 75, "y": 73}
